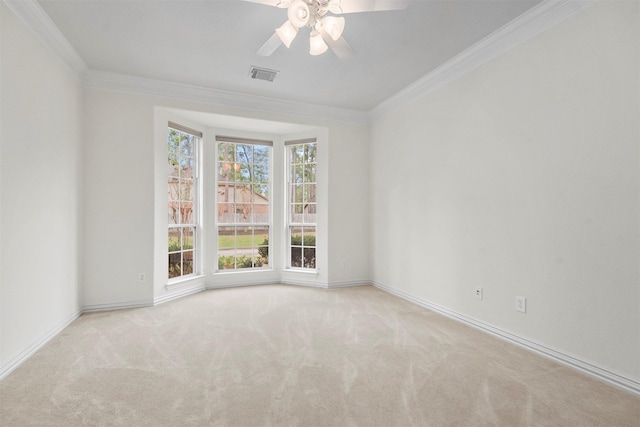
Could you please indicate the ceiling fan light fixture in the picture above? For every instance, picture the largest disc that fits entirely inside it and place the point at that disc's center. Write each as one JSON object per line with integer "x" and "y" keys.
{"x": 298, "y": 13}
{"x": 287, "y": 32}
{"x": 317, "y": 45}
{"x": 333, "y": 25}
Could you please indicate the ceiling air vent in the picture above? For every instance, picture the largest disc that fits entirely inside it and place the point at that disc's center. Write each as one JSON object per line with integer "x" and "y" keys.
{"x": 262, "y": 73}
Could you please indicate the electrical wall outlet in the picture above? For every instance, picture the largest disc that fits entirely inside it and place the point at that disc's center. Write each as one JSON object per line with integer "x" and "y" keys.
{"x": 479, "y": 293}
{"x": 344, "y": 263}
{"x": 521, "y": 304}
{"x": 142, "y": 277}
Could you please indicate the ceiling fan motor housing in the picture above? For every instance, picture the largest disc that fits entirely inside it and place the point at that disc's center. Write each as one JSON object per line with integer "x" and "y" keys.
{"x": 299, "y": 13}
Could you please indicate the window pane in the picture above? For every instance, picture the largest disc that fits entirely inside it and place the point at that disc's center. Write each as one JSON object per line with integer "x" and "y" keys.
{"x": 244, "y": 172}
{"x": 261, "y": 155}
{"x": 186, "y": 144}
{"x": 296, "y": 236}
{"x": 186, "y": 212}
{"x": 310, "y": 173}
{"x": 174, "y": 239}
{"x": 242, "y": 193}
{"x": 262, "y": 193}
{"x": 309, "y": 259}
{"x": 297, "y": 193}
{"x": 187, "y": 167}
{"x": 296, "y": 256}
{"x": 173, "y": 144}
{"x": 187, "y": 262}
{"x": 173, "y": 189}
{"x": 309, "y": 193}
{"x": 261, "y": 242}
{"x": 310, "y": 153}
{"x": 226, "y": 237}
{"x": 228, "y": 171}
{"x": 226, "y": 262}
{"x": 186, "y": 190}
{"x": 244, "y": 238}
{"x": 261, "y": 173}
{"x": 244, "y": 153}
{"x": 226, "y": 193}
{"x": 226, "y": 152}
{"x": 226, "y": 213}
{"x": 172, "y": 163}
{"x": 174, "y": 213}
{"x": 243, "y": 213}
{"x": 309, "y": 214}
{"x": 310, "y": 235}
{"x": 224, "y": 169}
{"x": 244, "y": 261}
{"x": 175, "y": 269}
{"x": 173, "y": 197}
{"x": 188, "y": 234}
{"x": 260, "y": 236}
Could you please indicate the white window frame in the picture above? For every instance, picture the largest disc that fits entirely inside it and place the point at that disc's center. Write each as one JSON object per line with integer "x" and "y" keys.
{"x": 196, "y": 217}
{"x": 290, "y": 223}
{"x": 214, "y": 213}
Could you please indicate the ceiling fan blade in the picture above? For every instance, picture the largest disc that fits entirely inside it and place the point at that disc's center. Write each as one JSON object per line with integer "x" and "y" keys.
{"x": 270, "y": 45}
{"x": 266, "y": 2}
{"x": 278, "y": 3}
{"x": 355, "y": 6}
{"x": 340, "y": 47}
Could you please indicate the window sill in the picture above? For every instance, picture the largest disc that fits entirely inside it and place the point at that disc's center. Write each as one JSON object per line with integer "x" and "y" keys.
{"x": 302, "y": 270}
{"x": 247, "y": 271}
{"x": 177, "y": 283}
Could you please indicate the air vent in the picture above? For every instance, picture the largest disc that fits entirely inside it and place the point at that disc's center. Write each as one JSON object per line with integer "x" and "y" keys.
{"x": 262, "y": 73}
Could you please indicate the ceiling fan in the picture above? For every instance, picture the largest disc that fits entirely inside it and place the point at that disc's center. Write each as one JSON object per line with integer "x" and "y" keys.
{"x": 320, "y": 16}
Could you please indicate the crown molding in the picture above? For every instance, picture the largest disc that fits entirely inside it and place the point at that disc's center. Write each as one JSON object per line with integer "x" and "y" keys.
{"x": 39, "y": 23}
{"x": 45, "y": 30}
{"x": 538, "y": 19}
{"x": 165, "y": 89}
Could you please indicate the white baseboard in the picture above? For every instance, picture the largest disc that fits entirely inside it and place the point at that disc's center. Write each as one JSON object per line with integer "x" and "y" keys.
{"x": 349, "y": 284}
{"x": 239, "y": 285}
{"x": 308, "y": 283}
{"x": 598, "y": 372}
{"x": 183, "y": 292}
{"x": 116, "y": 306}
{"x": 21, "y": 357}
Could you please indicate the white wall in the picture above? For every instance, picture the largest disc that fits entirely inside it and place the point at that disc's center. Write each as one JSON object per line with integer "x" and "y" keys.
{"x": 40, "y": 180}
{"x": 523, "y": 177}
{"x": 119, "y": 196}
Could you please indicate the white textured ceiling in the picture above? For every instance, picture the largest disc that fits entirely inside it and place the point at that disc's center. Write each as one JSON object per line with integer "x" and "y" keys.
{"x": 213, "y": 43}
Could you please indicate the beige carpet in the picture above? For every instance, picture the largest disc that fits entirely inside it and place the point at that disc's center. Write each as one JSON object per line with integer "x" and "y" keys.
{"x": 295, "y": 356}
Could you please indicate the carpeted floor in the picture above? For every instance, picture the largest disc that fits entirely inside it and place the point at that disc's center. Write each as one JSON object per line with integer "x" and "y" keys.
{"x": 295, "y": 356}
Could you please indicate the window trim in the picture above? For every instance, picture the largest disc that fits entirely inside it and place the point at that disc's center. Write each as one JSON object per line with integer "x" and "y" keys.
{"x": 288, "y": 216}
{"x": 217, "y": 224}
{"x": 196, "y": 219}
